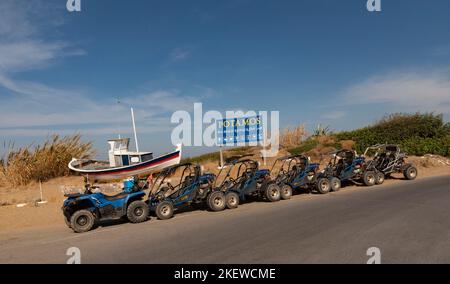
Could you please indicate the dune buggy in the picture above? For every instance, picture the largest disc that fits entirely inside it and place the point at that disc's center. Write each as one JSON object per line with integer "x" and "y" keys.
{"x": 297, "y": 172}
{"x": 82, "y": 210}
{"x": 388, "y": 159}
{"x": 243, "y": 178}
{"x": 345, "y": 165}
{"x": 183, "y": 185}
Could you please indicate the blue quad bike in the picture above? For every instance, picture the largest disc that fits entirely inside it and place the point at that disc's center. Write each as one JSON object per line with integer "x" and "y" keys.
{"x": 82, "y": 210}
{"x": 296, "y": 172}
{"x": 344, "y": 166}
{"x": 181, "y": 186}
{"x": 388, "y": 159}
{"x": 242, "y": 179}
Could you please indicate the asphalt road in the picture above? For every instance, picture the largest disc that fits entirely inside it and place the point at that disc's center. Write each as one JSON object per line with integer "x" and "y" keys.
{"x": 409, "y": 222}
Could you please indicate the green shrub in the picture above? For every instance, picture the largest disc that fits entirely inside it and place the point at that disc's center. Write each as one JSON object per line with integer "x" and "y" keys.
{"x": 214, "y": 156}
{"x": 306, "y": 146}
{"x": 417, "y": 133}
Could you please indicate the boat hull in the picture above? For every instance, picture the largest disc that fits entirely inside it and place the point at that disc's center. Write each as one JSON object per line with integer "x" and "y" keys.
{"x": 140, "y": 169}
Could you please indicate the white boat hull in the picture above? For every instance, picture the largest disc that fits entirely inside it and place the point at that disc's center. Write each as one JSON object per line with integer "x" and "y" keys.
{"x": 139, "y": 169}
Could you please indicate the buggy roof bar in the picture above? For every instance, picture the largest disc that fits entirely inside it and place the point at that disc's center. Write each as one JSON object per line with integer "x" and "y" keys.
{"x": 380, "y": 146}
{"x": 291, "y": 157}
{"x": 235, "y": 159}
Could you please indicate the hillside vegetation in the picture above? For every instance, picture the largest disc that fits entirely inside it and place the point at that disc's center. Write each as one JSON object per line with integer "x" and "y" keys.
{"x": 417, "y": 134}
{"x": 42, "y": 162}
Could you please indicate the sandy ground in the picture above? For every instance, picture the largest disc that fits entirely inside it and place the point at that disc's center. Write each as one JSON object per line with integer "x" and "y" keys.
{"x": 49, "y": 214}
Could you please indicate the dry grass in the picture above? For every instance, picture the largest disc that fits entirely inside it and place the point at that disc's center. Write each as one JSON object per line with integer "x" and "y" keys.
{"x": 293, "y": 137}
{"x": 42, "y": 162}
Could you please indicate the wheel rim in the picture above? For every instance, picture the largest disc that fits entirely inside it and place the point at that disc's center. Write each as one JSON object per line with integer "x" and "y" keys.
{"x": 165, "y": 210}
{"x": 274, "y": 193}
{"x": 371, "y": 179}
{"x": 287, "y": 192}
{"x": 412, "y": 173}
{"x": 324, "y": 186}
{"x": 335, "y": 184}
{"x": 218, "y": 201}
{"x": 138, "y": 211}
{"x": 82, "y": 220}
{"x": 232, "y": 200}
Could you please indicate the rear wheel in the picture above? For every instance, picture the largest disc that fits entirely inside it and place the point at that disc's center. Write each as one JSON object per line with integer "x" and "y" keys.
{"x": 369, "y": 178}
{"x": 335, "y": 184}
{"x": 286, "y": 192}
{"x": 82, "y": 221}
{"x": 379, "y": 178}
{"x": 323, "y": 185}
{"x": 216, "y": 201}
{"x": 137, "y": 211}
{"x": 272, "y": 192}
{"x": 232, "y": 200}
{"x": 410, "y": 173}
{"x": 164, "y": 210}
{"x": 67, "y": 222}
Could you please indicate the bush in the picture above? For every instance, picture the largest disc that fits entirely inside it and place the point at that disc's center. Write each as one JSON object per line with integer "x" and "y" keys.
{"x": 43, "y": 162}
{"x": 306, "y": 146}
{"x": 214, "y": 156}
{"x": 290, "y": 138}
{"x": 417, "y": 134}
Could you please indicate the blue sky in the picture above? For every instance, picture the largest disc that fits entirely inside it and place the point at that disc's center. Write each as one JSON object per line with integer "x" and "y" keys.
{"x": 315, "y": 61}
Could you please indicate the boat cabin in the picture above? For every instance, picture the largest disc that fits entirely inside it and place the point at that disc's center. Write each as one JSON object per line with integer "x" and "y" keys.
{"x": 120, "y": 156}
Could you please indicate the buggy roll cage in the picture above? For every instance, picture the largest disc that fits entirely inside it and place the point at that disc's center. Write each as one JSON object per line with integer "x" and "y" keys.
{"x": 292, "y": 160}
{"x": 384, "y": 148}
{"x": 350, "y": 155}
{"x": 245, "y": 165}
{"x": 192, "y": 170}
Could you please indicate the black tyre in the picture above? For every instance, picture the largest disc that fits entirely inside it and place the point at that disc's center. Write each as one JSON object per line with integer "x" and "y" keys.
{"x": 272, "y": 192}
{"x": 286, "y": 192}
{"x": 232, "y": 200}
{"x": 67, "y": 222}
{"x": 410, "y": 173}
{"x": 369, "y": 178}
{"x": 216, "y": 201}
{"x": 82, "y": 221}
{"x": 137, "y": 211}
{"x": 379, "y": 178}
{"x": 164, "y": 210}
{"x": 323, "y": 185}
{"x": 335, "y": 184}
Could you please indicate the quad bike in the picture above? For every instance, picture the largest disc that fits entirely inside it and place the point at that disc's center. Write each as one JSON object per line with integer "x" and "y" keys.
{"x": 243, "y": 178}
{"x": 345, "y": 165}
{"x": 82, "y": 210}
{"x": 191, "y": 188}
{"x": 297, "y": 172}
{"x": 388, "y": 159}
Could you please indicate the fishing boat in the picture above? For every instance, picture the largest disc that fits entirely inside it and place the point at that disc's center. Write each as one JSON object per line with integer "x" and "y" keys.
{"x": 124, "y": 163}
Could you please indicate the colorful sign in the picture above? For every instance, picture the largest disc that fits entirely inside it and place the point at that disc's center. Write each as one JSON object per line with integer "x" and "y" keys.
{"x": 235, "y": 131}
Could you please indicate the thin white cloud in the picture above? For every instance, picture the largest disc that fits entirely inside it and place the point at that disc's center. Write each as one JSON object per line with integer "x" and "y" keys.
{"x": 334, "y": 115}
{"x": 403, "y": 91}
{"x": 179, "y": 54}
{"x": 30, "y": 108}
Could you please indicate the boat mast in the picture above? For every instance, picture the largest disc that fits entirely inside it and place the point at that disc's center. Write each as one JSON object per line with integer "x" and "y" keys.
{"x": 134, "y": 130}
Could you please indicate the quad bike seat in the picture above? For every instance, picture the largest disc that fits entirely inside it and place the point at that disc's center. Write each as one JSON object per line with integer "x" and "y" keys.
{"x": 116, "y": 197}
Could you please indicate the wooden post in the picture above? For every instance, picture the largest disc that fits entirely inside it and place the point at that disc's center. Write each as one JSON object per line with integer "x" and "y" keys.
{"x": 221, "y": 158}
